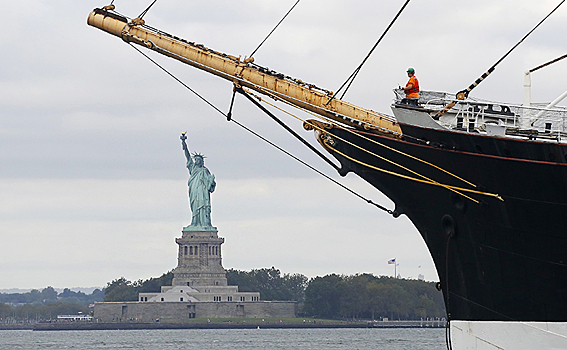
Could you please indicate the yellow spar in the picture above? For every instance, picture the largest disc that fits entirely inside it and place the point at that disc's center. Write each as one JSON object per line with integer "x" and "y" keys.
{"x": 243, "y": 73}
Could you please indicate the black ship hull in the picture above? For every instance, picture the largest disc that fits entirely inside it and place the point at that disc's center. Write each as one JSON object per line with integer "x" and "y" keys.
{"x": 499, "y": 258}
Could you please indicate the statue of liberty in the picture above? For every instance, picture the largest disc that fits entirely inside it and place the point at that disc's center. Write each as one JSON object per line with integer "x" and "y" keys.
{"x": 201, "y": 185}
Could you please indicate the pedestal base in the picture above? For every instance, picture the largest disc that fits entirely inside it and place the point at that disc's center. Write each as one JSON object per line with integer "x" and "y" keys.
{"x": 199, "y": 261}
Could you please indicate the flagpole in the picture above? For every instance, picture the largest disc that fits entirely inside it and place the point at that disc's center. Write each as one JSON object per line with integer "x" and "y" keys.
{"x": 393, "y": 261}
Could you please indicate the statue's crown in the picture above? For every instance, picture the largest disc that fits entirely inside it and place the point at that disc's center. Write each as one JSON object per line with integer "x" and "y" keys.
{"x": 196, "y": 154}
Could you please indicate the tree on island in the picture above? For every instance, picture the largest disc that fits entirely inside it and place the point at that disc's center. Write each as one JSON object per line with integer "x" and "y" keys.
{"x": 49, "y": 295}
{"x": 370, "y": 297}
{"x": 361, "y": 296}
{"x": 35, "y": 305}
{"x": 271, "y": 284}
{"x": 123, "y": 290}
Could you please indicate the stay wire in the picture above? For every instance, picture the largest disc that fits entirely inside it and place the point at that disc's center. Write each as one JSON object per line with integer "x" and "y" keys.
{"x": 351, "y": 78}
{"x": 429, "y": 181}
{"x": 528, "y": 34}
{"x": 146, "y": 10}
{"x": 275, "y": 97}
{"x": 547, "y": 64}
{"x": 461, "y": 95}
{"x": 266, "y": 38}
{"x": 455, "y": 189}
{"x": 369, "y": 201}
{"x": 178, "y": 80}
{"x": 491, "y": 69}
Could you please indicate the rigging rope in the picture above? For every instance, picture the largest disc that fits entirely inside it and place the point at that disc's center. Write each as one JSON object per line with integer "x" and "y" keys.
{"x": 266, "y": 38}
{"x": 547, "y": 64}
{"x": 426, "y": 181}
{"x": 178, "y": 80}
{"x": 357, "y": 70}
{"x": 525, "y": 36}
{"x": 369, "y": 201}
{"x": 361, "y": 136}
{"x": 146, "y": 10}
{"x": 461, "y": 95}
{"x": 287, "y": 128}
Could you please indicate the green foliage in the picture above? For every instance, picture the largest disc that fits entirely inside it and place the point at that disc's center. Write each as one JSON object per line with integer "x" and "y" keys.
{"x": 81, "y": 298}
{"x": 153, "y": 285}
{"x": 49, "y": 295}
{"x": 270, "y": 283}
{"x": 123, "y": 290}
{"x": 323, "y": 295}
{"x": 33, "y": 312}
{"x": 368, "y": 296}
{"x": 5, "y": 311}
{"x": 244, "y": 280}
{"x": 332, "y": 296}
{"x": 120, "y": 290}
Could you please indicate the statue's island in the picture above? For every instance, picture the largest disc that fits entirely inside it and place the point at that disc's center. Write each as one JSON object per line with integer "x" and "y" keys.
{"x": 199, "y": 288}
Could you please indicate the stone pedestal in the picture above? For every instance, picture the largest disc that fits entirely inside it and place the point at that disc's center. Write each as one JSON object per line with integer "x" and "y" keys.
{"x": 199, "y": 261}
{"x": 199, "y": 289}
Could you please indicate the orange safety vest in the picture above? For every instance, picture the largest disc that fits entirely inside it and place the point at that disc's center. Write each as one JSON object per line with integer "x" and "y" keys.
{"x": 414, "y": 91}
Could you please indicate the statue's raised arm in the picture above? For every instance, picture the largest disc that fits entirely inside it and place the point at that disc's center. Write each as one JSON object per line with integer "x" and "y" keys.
{"x": 185, "y": 148}
{"x": 201, "y": 185}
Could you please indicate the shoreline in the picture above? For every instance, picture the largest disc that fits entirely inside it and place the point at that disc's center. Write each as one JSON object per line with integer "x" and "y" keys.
{"x": 80, "y": 326}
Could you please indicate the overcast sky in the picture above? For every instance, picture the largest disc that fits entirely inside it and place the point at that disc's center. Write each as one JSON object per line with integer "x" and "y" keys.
{"x": 93, "y": 184}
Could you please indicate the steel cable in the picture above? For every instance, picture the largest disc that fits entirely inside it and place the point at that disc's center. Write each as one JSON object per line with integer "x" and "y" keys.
{"x": 361, "y": 136}
{"x": 146, "y": 10}
{"x": 357, "y": 70}
{"x": 266, "y": 38}
{"x": 369, "y": 201}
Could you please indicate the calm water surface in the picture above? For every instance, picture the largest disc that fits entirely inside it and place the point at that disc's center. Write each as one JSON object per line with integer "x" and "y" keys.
{"x": 391, "y": 339}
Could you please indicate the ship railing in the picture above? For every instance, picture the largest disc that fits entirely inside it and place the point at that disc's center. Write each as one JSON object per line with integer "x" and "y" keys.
{"x": 514, "y": 120}
{"x": 495, "y": 118}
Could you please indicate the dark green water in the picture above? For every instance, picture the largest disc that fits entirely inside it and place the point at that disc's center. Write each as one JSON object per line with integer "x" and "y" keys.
{"x": 316, "y": 339}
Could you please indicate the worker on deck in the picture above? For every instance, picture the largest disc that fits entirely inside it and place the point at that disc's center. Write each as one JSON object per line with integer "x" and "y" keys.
{"x": 411, "y": 89}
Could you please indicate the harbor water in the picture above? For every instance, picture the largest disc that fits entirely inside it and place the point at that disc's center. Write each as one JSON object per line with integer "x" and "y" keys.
{"x": 312, "y": 339}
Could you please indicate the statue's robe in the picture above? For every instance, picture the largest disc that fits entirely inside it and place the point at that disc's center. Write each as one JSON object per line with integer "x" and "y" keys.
{"x": 201, "y": 184}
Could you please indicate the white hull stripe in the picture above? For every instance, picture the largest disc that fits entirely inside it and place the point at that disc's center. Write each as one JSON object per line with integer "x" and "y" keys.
{"x": 492, "y": 335}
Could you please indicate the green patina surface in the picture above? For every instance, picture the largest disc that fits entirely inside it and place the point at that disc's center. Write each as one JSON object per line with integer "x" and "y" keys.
{"x": 201, "y": 185}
